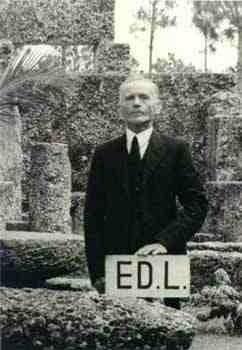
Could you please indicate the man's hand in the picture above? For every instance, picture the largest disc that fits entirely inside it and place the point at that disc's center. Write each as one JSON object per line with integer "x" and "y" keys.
{"x": 99, "y": 285}
{"x": 152, "y": 249}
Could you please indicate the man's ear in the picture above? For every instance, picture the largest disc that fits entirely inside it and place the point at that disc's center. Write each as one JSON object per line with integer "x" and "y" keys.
{"x": 120, "y": 111}
{"x": 157, "y": 107}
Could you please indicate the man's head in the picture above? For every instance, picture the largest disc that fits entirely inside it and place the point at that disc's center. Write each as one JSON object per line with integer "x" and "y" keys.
{"x": 139, "y": 99}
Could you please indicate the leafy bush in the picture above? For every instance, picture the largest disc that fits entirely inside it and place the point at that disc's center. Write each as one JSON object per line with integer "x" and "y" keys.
{"x": 57, "y": 21}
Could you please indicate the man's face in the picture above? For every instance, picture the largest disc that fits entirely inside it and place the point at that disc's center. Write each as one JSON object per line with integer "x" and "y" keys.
{"x": 138, "y": 102}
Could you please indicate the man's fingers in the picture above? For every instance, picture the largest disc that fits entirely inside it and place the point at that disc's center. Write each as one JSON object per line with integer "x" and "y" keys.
{"x": 144, "y": 251}
{"x": 148, "y": 252}
{"x": 159, "y": 251}
{"x": 155, "y": 252}
{"x": 151, "y": 249}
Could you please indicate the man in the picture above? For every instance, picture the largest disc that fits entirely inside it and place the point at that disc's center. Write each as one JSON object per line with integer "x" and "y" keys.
{"x": 133, "y": 185}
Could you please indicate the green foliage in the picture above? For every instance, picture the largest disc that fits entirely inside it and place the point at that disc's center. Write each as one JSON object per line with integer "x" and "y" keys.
{"x": 172, "y": 65}
{"x": 57, "y": 21}
{"x": 112, "y": 58}
{"x": 67, "y": 320}
{"x": 206, "y": 18}
{"x": 158, "y": 14}
{"x": 162, "y": 18}
{"x": 209, "y": 15}
{"x": 26, "y": 79}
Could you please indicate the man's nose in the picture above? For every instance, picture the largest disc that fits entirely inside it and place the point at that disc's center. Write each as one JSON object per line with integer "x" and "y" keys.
{"x": 136, "y": 101}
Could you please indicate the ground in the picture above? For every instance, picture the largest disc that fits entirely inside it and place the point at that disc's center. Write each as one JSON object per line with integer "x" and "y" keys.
{"x": 212, "y": 335}
{"x": 215, "y": 342}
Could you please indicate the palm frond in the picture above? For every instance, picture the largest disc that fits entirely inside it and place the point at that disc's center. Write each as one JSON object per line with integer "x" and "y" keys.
{"x": 26, "y": 77}
{"x": 55, "y": 77}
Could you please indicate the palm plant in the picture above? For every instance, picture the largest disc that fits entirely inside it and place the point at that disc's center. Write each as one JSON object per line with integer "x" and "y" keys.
{"x": 26, "y": 78}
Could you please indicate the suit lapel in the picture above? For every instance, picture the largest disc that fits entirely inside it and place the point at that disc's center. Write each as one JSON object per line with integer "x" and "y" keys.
{"x": 122, "y": 166}
{"x": 154, "y": 154}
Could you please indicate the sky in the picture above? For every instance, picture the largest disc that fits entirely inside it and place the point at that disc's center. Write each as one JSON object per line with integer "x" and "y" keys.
{"x": 184, "y": 40}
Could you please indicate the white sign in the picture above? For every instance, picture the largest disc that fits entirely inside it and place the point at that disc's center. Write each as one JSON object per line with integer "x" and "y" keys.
{"x": 159, "y": 276}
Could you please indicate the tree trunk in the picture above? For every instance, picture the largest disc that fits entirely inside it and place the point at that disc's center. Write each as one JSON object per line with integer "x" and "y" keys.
{"x": 95, "y": 48}
{"x": 76, "y": 59}
{"x": 239, "y": 76}
{"x": 152, "y": 32}
{"x": 63, "y": 56}
{"x": 205, "y": 52}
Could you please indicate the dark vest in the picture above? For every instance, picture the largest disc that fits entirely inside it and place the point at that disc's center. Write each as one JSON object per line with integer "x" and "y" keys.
{"x": 135, "y": 176}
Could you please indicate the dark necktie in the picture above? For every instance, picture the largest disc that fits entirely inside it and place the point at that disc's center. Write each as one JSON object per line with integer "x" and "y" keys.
{"x": 134, "y": 162}
{"x": 134, "y": 153}
{"x": 134, "y": 170}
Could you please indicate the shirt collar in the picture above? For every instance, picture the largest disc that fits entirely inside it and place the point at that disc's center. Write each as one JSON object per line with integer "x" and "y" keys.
{"x": 143, "y": 137}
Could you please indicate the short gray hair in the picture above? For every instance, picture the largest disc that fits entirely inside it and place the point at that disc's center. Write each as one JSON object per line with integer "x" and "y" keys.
{"x": 138, "y": 77}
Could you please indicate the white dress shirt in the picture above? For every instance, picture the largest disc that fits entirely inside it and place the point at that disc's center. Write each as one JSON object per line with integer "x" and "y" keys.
{"x": 143, "y": 140}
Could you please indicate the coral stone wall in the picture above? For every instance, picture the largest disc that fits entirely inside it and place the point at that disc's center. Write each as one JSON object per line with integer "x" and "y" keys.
{"x": 11, "y": 158}
{"x": 91, "y": 117}
{"x": 224, "y": 137}
{"x": 50, "y": 199}
{"x": 7, "y": 191}
{"x": 224, "y": 154}
{"x": 224, "y": 219}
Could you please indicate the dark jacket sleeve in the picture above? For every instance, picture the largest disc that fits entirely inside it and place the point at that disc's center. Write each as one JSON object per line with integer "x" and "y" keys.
{"x": 191, "y": 195}
{"x": 94, "y": 215}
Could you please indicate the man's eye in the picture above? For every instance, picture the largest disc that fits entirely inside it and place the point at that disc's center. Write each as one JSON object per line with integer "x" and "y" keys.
{"x": 144, "y": 97}
{"x": 129, "y": 98}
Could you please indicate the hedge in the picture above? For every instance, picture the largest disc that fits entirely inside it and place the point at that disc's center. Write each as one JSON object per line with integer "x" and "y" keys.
{"x": 57, "y": 22}
{"x": 90, "y": 117}
{"x": 51, "y": 320}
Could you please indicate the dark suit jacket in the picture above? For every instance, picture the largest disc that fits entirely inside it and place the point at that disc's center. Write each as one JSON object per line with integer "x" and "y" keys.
{"x": 168, "y": 174}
